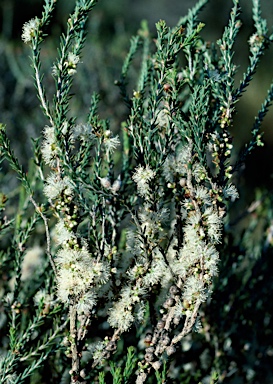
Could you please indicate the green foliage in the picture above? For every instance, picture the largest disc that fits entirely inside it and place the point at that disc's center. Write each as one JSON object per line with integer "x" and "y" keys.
{"x": 116, "y": 242}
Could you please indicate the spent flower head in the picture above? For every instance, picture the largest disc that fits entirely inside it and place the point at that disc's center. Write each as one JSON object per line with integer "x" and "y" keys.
{"x": 82, "y": 131}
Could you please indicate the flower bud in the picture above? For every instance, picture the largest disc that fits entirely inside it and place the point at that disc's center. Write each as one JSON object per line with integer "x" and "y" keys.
{"x": 105, "y": 182}
{"x": 116, "y": 185}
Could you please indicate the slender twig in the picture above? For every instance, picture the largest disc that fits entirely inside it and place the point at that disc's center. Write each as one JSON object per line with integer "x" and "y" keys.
{"x": 48, "y": 241}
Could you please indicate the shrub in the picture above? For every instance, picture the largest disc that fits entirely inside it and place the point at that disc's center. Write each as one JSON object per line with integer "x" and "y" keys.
{"x": 115, "y": 242}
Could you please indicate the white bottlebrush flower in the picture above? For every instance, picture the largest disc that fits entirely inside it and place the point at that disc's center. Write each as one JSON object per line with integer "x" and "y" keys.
{"x": 136, "y": 271}
{"x": 166, "y": 278}
{"x": 120, "y": 316}
{"x": 172, "y": 250}
{"x": 62, "y": 233}
{"x": 176, "y": 164}
{"x": 194, "y": 219}
{"x": 71, "y": 63}
{"x": 214, "y": 224}
{"x": 49, "y": 148}
{"x": 156, "y": 272}
{"x": 111, "y": 143}
{"x": 255, "y": 41}
{"x": 77, "y": 272}
{"x": 211, "y": 259}
{"x": 152, "y": 222}
{"x": 71, "y": 282}
{"x": 55, "y": 186}
{"x": 71, "y": 256}
{"x": 202, "y": 194}
{"x": 141, "y": 177}
{"x": 100, "y": 272}
{"x": 178, "y": 310}
{"x": 199, "y": 172}
{"x": 49, "y": 153}
{"x": 49, "y": 134}
{"x": 86, "y": 302}
{"x": 195, "y": 290}
{"x": 188, "y": 256}
{"x": 191, "y": 231}
{"x": 29, "y": 29}
{"x": 180, "y": 267}
{"x": 132, "y": 294}
{"x": 97, "y": 350}
{"x": 72, "y": 59}
{"x": 140, "y": 312}
{"x": 230, "y": 192}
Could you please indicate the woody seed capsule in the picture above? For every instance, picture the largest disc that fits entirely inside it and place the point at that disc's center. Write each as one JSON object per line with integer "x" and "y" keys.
{"x": 156, "y": 365}
{"x": 149, "y": 357}
{"x": 173, "y": 290}
{"x": 168, "y": 303}
{"x": 170, "y": 350}
{"x": 105, "y": 182}
{"x": 166, "y": 340}
{"x": 160, "y": 324}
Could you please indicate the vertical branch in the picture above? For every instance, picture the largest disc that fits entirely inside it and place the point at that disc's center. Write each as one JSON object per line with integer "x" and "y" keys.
{"x": 39, "y": 210}
{"x": 75, "y": 367}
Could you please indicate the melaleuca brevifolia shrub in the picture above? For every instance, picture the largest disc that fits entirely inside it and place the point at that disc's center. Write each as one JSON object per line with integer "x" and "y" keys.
{"x": 111, "y": 254}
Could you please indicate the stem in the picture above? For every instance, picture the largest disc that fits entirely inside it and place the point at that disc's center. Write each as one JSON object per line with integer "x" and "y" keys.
{"x": 189, "y": 323}
{"x": 75, "y": 370}
{"x": 39, "y": 210}
{"x": 41, "y": 92}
